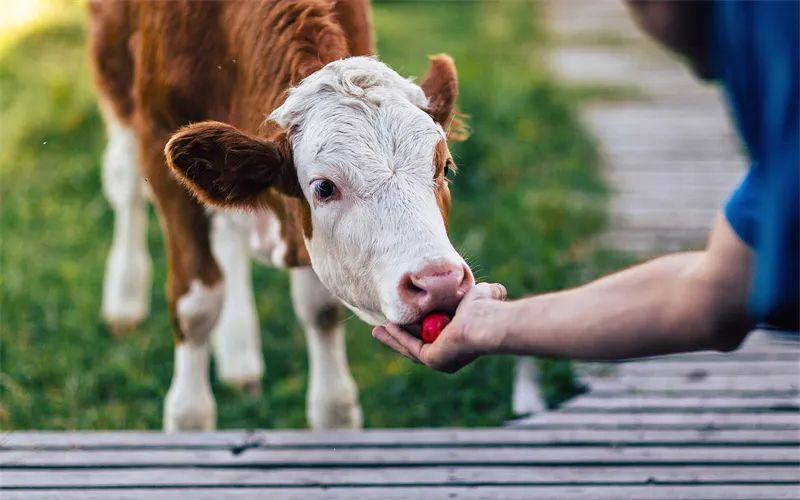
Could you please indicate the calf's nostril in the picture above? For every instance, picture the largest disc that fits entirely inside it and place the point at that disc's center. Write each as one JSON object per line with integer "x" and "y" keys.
{"x": 438, "y": 287}
{"x": 408, "y": 287}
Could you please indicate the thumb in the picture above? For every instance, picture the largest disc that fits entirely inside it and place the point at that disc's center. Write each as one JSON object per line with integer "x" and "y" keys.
{"x": 494, "y": 291}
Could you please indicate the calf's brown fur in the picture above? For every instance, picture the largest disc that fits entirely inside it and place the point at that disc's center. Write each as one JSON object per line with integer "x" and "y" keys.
{"x": 198, "y": 79}
{"x": 162, "y": 65}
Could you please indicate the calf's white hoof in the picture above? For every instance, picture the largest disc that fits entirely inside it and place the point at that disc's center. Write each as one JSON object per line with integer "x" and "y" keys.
{"x": 239, "y": 363}
{"x": 189, "y": 412}
{"x": 335, "y": 412}
{"x": 126, "y": 291}
{"x": 244, "y": 375}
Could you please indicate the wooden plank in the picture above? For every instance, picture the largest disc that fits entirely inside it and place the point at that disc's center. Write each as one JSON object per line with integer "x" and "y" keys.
{"x": 673, "y": 419}
{"x": 692, "y": 404}
{"x": 595, "y": 66}
{"x": 696, "y": 369}
{"x": 615, "y": 128}
{"x": 708, "y": 492}
{"x": 773, "y": 340}
{"x": 655, "y": 193}
{"x": 712, "y": 382}
{"x": 464, "y": 476}
{"x": 377, "y": 457}
{"x": 699, "y": 147}
{"x": 613, "y": 154}
{"x": 621, "y": 391}
{"x": 657, "y": 218}
{"x": 645, "y": 201}
{"x": 707, "y": 144}
{"x": 404, "y": 438}
{"x": 712, "y": 165}
{"x": 646, "y": 242}
{"x": 632, "y": 188}
{"x": 671, "y": 181}
{"x": 638, "y": 112}
{"x": 74, "y": 439}
{"x": 783, "y": 381}
{"x": 754, "y": 354}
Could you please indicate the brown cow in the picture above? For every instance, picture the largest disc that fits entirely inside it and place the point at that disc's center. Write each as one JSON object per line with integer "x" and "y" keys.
{"x": 269, "y": 113}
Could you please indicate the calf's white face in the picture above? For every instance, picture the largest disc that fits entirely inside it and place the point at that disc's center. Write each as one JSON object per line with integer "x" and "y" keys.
{"x": 365, "y": 154}
{"x": 369, "y": 153}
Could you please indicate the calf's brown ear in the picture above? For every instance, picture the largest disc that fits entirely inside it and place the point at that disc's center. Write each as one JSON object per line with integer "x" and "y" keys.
{"x": 441, "y": 88}
{"x": 226, "y": 167}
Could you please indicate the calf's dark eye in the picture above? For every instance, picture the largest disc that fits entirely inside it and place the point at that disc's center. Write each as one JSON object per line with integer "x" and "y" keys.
{"x": 449, "y": 167}
{"x": 324, "y": 189}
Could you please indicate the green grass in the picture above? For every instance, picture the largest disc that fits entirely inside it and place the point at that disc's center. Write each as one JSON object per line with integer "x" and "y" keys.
{"x": 528, "y": 198}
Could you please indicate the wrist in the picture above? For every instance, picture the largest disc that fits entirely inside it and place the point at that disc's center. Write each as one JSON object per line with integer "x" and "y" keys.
{"x": 508, "y": 314}
{"x": 494, "y": 330}
{"x": 518, "y": 330}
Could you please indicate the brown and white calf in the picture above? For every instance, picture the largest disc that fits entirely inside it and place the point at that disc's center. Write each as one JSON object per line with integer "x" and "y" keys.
{"x": 262, "y": 129}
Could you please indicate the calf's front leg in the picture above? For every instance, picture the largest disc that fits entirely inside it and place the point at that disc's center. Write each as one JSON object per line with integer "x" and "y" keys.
{"x": 189, "y": 404}
{"x": 235, "y": 339}
{"x": 332, "y": 399}
{"x": 194, "y": 294}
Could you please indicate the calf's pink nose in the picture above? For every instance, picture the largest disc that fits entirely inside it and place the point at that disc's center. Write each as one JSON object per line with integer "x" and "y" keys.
{"x": 436, "y": 287}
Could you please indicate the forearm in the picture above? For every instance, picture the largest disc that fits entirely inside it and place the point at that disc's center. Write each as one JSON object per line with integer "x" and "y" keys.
{"x": 681, "y": 302}
{"x": 667, "y": 305}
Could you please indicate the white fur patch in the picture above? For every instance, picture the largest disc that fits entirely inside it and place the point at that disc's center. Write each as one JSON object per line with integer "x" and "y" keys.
{"x": 127, "y": 280}
{"x": 363, "y": 79}
{"x": 266, "y": 243}
{"x": 198, "y": 310}
{"x": 189, "y": 404}
{"x": 122, "y": 181}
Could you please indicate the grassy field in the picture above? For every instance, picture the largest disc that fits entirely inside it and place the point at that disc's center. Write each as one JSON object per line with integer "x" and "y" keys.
{"x": 528, "y": 198}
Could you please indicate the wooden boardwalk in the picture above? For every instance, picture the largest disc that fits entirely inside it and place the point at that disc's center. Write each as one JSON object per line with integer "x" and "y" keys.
{"x": 705, "y": 425}
{"x": 669, "y": 151}
{"x": 694, "y": 426}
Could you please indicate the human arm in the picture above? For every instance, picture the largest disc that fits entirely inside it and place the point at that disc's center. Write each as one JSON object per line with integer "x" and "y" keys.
{"x": 680, "y": 302}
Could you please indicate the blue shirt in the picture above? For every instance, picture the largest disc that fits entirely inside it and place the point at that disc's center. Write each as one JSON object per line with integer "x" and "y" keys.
{"x": 755, "y": 58}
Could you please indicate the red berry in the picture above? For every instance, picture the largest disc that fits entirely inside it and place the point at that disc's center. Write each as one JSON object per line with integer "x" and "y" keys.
{"x": 432, "y": 326}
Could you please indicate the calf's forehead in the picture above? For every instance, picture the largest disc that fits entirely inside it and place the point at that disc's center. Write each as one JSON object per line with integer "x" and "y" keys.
{"x": 366, "y": 142}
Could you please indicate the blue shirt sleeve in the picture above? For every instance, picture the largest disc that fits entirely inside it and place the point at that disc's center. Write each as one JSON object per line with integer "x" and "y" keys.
{"x": 756, "y": 48}
{"x": 741, "y": 210}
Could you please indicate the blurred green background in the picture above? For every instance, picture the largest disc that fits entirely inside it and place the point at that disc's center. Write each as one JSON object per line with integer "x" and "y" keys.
{"x": 528, "y": 199}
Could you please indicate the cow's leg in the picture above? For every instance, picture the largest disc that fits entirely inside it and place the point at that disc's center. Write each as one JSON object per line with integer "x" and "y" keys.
{"x": 526, "y": 397}
{"x": 194, "y": 293}
{"x": 126, "y": 285}
{"x": 235, "y": 339}
{"x": 332, "y": 400}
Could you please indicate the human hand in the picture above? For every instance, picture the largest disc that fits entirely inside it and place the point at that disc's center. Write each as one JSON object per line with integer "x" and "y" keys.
{"x": 477, "y": 328}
